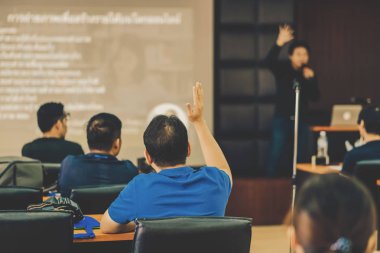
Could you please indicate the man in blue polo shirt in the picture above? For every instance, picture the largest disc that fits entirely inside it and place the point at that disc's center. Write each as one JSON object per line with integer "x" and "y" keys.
{"x": 176, "y": 189}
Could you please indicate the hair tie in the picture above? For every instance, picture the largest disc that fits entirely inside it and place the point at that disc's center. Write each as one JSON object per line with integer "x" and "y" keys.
{"x": 342, "y": 244}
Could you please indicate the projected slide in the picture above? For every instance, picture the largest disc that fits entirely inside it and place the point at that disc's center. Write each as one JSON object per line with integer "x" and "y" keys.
{"x": 135, "y": 59}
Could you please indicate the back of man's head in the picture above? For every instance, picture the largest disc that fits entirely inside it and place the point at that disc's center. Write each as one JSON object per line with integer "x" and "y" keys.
{"x": 48, "y": 114}
{"x": 102, "y": 130}
{"x": 370, "y": 115}
{"x": 166, "y": 141}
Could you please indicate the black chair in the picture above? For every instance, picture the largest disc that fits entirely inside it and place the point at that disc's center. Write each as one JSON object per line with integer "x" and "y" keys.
{"x": 18, "y": 197}
{"x": 20, "y": 171}
{"x": 51, "y": 173}
{"x": 368, "y": 172}
{"x": 43, "y": 232}
{"x": 95, "y": 199}
{"x": 193, "y": 234}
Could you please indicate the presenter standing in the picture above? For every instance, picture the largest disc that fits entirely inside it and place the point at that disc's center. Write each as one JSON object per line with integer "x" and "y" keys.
{"x": 295, "y": 69}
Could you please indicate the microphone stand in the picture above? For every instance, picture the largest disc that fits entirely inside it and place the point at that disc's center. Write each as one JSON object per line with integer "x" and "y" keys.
{"x": 296, "y": 86}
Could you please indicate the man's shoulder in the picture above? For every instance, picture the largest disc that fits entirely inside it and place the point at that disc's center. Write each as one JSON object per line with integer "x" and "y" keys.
{"x": 71, "y": 144}
{"x": 127, "y": 162}
{"x": 211, "y": 169}
{"x": 35, "y": 144}
{"x": 70, "y": 159}
{"x": 71, "y": 147}
{"x": 359, "y": 150}
{"x": 358, "y": 153}
{"x": 27, "y": 146}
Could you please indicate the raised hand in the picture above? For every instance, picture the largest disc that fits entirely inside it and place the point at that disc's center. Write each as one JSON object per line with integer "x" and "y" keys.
{"x": 195, "y": 111}
{"x": 212, "y": 153}
{"x": 285, "y": 34}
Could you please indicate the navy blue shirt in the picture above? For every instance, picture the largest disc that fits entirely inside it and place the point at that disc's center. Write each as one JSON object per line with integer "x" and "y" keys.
{"x": 93, "y": 169}
{"x": 173, "y": 192}
{"x": 369, "y": 151}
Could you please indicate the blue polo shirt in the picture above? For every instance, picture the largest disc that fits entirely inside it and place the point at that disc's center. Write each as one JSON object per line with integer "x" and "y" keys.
{"x": 173, "y": 192}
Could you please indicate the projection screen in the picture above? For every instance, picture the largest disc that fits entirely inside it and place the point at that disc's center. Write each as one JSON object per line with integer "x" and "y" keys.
{"x": 135, "y": 59}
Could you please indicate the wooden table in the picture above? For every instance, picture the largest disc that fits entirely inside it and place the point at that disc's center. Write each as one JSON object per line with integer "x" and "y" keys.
{"x": 305, "y": 170}
{"x": 101, "y": 237}
{"x": 335, "y": 128}
{"x": 317, "y": 169}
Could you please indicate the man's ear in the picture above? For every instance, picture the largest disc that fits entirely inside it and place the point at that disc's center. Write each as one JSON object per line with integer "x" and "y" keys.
{"x": 117, "y": 144}
{"x": 188, "y": 149}
{"x": 57, "y": 125}
{"x": 148, "y": 158}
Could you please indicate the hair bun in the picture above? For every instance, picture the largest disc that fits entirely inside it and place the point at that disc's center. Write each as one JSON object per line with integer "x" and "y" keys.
{"x": 342, "y": 244}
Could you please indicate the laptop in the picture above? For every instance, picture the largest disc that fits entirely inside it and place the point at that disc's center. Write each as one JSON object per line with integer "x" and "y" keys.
{"x": 345, "y": 115}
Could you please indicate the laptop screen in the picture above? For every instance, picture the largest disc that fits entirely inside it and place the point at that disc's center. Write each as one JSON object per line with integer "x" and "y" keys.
{"x": 345, "y": 115}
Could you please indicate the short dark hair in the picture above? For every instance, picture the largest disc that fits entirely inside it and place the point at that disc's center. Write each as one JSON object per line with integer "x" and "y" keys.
{"x": 48, "y": 114}
{"x": 102, "y": 130}
{"x": 371, "y": 117}
{"x": 298, "y": 43}
{"x": 166, "y": 140}
{"x": 338, "y": 207}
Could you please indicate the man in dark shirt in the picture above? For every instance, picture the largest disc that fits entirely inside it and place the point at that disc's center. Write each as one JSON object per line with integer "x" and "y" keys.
{"x": 100, "y": 166}
{"x": 287, "y": 73}
{"x": 369, "y": 128}
{"x": 52, "y": 147}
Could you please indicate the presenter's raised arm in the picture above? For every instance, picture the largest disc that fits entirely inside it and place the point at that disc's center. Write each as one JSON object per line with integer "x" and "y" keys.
{"x": 285, "y": 34}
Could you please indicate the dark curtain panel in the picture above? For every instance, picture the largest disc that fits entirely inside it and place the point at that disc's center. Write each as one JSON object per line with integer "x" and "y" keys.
{"x": 344, "y": 36}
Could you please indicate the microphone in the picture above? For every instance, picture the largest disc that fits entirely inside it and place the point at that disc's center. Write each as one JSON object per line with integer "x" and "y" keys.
{"x": 304, "y": 66}
{"x": 296, "y": 84}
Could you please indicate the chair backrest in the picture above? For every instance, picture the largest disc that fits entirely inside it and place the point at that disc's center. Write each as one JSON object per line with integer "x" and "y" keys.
{"x": 20, "y": 171}
{"x": 51, "y": 173}
{"x": 43, "y": 232}
{"x": 18, "y": 197}
{"x": 193, "y": 234}
{"x": 368, "y": 172}
{"x": 95, "y": 199}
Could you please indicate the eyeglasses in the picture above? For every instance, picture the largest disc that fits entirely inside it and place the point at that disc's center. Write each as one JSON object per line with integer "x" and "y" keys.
{"x": 66, "y": 115}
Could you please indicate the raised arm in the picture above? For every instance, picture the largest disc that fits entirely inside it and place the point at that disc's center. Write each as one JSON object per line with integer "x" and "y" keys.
{"x": 285, "y": 34}
{"x": 212, "y": 153}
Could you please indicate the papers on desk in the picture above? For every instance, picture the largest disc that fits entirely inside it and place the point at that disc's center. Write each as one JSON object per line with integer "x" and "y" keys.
{"x": 335, "y": 167}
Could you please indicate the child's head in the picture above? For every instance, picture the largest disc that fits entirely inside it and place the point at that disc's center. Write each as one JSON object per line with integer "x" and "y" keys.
{"x": 333, "y": 214}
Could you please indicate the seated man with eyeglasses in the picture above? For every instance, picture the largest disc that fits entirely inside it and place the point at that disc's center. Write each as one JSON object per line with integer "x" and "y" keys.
{"x": 52, "y": 146}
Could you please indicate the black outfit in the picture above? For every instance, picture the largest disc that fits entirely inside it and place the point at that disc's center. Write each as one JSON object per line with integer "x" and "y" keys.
{"x": 51, "y": 150}
{"x": 93, "y": 169}
{"x": 283, "y": 123}
{"x": 285, "y": 76}
{"x": 369, "y": 151}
